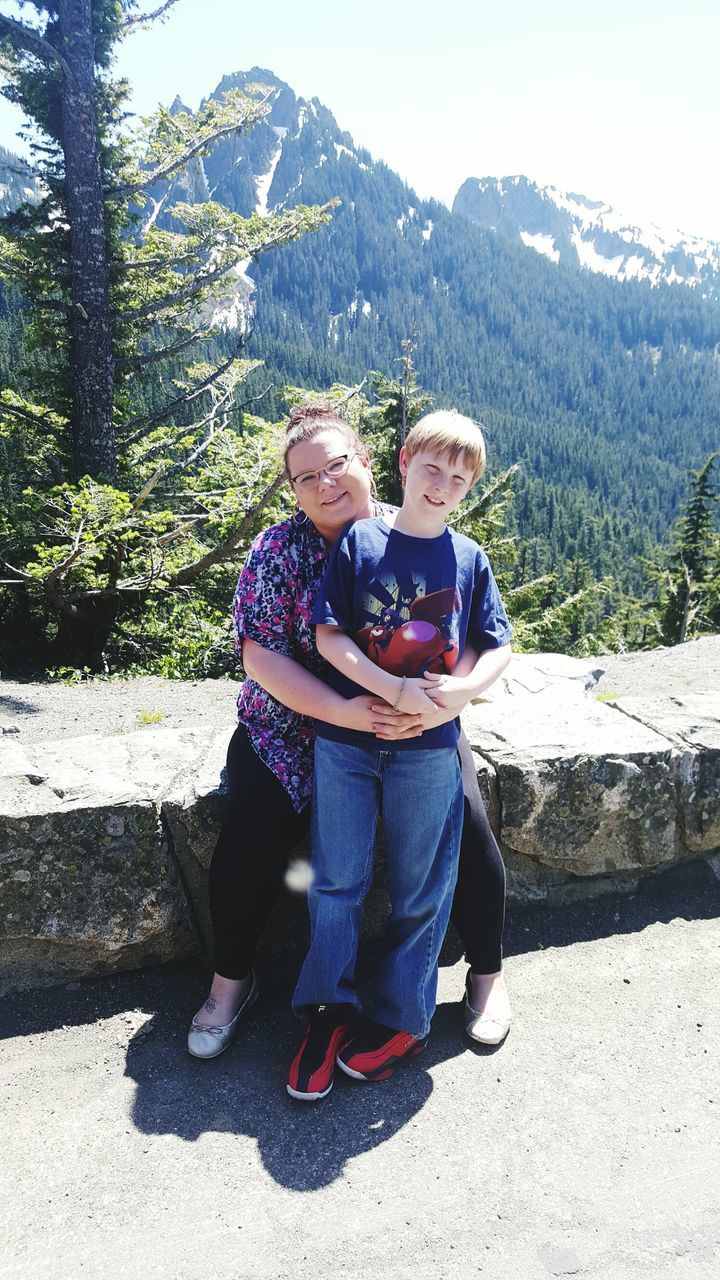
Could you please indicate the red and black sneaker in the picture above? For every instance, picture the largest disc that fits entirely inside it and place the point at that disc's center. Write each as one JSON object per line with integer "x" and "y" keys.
{"x": 313, "y": 1067}
{"x": 373, "y": 1052}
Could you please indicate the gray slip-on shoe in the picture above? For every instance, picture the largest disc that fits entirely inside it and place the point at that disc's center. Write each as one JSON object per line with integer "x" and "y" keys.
{"x": 208, "y": 1042}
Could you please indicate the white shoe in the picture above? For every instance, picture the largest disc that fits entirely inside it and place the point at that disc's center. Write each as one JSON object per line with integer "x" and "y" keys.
{"x": 208, "y": 1042}
{"x": 481, "y": 1027}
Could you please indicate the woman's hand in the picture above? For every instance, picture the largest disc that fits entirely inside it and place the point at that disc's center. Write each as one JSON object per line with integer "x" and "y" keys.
{"x": 370, "y": 714}
{"x": 392, "y": 726}
{"x": 449, "y": 692}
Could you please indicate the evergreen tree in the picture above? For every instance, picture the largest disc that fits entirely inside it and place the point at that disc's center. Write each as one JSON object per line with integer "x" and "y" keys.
{"x": 689, "y": 599}
{"x": 399, "y": 403}
{"x": 134, "y": 467}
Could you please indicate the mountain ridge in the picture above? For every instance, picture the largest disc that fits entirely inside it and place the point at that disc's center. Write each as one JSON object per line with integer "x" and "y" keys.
{"x": 570, "y": 228}
{"x": 604, "y": 392}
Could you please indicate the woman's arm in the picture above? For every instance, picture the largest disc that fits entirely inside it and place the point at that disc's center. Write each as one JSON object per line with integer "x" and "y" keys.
{"x": 306, "y": 694}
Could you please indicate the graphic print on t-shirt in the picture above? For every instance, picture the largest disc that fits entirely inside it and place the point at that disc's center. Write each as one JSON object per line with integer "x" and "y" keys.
{"x": 409, "y": 632}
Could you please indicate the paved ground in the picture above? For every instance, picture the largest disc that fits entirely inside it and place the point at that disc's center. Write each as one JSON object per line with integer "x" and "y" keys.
{"x": 589, "y": 1144}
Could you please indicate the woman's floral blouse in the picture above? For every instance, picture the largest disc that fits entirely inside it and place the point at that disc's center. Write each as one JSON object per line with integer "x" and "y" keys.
{"x": 272, "y": 606}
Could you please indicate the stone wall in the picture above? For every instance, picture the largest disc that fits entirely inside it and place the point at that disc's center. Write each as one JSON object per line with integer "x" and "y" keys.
{"x": 105, "y": 841}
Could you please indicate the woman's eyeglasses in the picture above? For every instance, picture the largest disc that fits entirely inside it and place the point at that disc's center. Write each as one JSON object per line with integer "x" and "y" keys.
{"x": 333, "y": 469}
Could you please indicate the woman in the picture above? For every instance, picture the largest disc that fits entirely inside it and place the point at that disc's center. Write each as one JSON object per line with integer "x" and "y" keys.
{"x": 270, "y": 754}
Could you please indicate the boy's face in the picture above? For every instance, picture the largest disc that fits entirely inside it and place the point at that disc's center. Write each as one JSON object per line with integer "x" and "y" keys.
{"x": 434, "y": 486}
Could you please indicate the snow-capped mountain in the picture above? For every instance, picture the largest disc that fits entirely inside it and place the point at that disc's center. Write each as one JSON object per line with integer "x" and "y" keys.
{"x": 267, "y": 171}
{"x": 569, "y": 228}
{"x": 18, "y": 183}
{"x": 603, "y": 385}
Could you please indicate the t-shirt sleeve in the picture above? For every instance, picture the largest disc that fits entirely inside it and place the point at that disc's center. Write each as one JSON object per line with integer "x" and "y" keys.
{"x": 263, "y": 601}
{"x": 334, "y": 603}
{"x": 489, "y": 627}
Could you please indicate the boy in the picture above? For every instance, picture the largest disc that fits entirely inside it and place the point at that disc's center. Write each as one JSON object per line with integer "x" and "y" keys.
{"x": 402, "y": 595}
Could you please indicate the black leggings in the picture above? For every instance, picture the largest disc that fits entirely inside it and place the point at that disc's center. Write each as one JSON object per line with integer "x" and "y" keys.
{"x": 260, "y": 829}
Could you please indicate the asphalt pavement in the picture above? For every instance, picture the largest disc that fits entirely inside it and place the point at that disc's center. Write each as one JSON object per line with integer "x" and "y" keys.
{"x": 588, "y": 1144}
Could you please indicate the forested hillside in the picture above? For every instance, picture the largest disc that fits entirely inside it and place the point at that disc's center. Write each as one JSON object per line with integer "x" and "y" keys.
{"x": 605, "y": 392}
{"x": 600, "y": 395}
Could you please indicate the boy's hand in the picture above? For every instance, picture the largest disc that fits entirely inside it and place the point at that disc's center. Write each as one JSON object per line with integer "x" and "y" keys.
{"x": 414, "y": 698}
{"x": 449, "y": 692}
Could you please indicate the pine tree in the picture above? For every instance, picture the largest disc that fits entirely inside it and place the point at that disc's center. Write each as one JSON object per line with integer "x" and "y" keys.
{"x": 119, "y": 492}
{"x": 689, "y": 579}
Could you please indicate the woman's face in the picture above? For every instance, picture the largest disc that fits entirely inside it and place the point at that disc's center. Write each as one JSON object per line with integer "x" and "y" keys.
{"x": 331, "y": 502}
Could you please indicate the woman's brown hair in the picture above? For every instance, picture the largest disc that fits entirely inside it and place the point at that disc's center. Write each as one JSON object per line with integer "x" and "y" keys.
{"x": 308, "y": 420}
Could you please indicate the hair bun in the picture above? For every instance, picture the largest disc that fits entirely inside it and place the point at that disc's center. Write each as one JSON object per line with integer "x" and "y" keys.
{"x": 316, "y": 410}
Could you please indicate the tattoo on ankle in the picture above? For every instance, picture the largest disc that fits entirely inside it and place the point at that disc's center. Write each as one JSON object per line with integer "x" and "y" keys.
{"x": 211, "y": 1003}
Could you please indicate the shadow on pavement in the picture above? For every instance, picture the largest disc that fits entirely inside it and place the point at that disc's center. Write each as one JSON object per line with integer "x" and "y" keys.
{"x": 18, "y": 705}
{"x": 689, "y": 892}
{"x": 303, "y": 1146}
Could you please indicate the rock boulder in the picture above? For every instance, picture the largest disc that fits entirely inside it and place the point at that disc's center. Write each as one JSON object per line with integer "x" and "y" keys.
{"x": 105, "y": 841}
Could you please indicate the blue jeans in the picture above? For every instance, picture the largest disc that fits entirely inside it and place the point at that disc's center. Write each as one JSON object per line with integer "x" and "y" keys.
{"x": 419, "y": 794}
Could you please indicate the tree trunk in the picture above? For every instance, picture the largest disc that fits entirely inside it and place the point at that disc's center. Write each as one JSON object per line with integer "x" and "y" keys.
{"x": 91, "y": 359}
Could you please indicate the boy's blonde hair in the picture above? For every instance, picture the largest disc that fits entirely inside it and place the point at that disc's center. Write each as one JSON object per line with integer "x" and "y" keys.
{"x": 450, "y": 432}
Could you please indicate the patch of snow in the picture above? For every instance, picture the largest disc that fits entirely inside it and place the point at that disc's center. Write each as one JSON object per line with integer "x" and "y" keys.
{"x": 578, "y": 209}
{"x": 428, "y": 229}
{"x": 264, "y": 180}
{"x": 302, "y": 119}
{"x": 400, "y": 222}
{"x": 322, "y": 160}
{"x": 157, "y": 206}
{"x": 235, "y": 311}
{"x": 589, "y": 257}
{"x": 341, "y": 150}
{"x": 27, "y": 191}
{"x": 541, "y": 243}
{"x": 635, "y": 268}
{"x": 352, "y": 309}
{"x": 279, "y": 130}
{"x": 659, "y": 242}
{"x": 333, "y": 323}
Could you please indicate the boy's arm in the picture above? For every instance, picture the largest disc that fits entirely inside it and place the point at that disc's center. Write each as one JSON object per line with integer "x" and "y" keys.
{"x": 455, "y": 691}
{"x": 489, "y": 629}
{"x": 341, "y": 652}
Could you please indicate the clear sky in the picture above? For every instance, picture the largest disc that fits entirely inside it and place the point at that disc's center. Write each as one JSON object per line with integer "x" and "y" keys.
{"x": 618, "y": 101}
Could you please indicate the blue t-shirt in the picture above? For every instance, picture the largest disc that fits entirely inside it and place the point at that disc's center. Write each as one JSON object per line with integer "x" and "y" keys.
{"x": 410, "y": 604}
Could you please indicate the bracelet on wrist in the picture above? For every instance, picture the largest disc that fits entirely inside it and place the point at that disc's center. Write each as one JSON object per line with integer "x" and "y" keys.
{"x": 396, "y": 703}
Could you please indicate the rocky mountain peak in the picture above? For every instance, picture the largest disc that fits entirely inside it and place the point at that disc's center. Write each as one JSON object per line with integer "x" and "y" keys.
{"x": 568, "y": 227}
